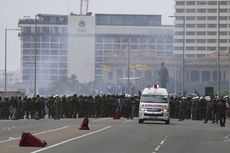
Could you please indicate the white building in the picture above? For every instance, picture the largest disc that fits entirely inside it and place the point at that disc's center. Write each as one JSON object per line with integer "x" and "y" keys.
{"x": 201, "y": 27}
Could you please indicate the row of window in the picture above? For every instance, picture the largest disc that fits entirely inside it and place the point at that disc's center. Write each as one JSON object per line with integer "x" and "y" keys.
{"x": 120, "y": 74}
{"x": 202, "y": 2}
{"x": 44, "y": 78}
{"x": 46, "y": 45}
{"x": 45, "y": 58}
{"x": 45, "y": 71}
{"x": 52, "y": 65}
{"x": 117, "y": 40}
{"x": 202, "y": 18}
{"x": 200, "y": 33}
{"x": 202, "y": 10}
{"x": 134, "y": 47}
{"x": 44, "y": 52}
{"x": 191, "y": 48}
{"x": 202, "y": 40}
{"x": 44, "y": 39}
{"x": 46, "y": 30}
{"x": 202, "y": 25}
{"x": 206, "y": 76}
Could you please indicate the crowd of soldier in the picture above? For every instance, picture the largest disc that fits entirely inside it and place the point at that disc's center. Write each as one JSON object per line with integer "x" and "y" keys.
{"x": 200, "y": 108}
{"x": 57, "y": 107}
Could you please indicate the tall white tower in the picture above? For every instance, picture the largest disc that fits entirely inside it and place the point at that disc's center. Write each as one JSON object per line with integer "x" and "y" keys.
{"x": 84, "y": 7}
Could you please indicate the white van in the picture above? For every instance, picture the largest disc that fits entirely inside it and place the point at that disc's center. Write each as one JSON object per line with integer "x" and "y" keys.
{"x": 154, "y": 105}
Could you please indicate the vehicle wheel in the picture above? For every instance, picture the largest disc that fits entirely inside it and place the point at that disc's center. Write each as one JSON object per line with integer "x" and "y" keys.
{"x": 167, "y": 122}
{"x": 141, "y": 121}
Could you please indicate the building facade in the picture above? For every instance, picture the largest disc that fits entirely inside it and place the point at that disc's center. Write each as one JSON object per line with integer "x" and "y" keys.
{"x": 112, "y": 36}
{"x": 45, "y": 37}
{"x": 201, "y": 27}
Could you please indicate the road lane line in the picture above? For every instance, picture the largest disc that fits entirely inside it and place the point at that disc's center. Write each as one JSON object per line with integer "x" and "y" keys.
{"x": 96, "y": 120}
{"x": 69, "y": 140}
{"x": 159, "y": 146}
{"x": 12, "y": 139}
{"x": 127, "y": 121}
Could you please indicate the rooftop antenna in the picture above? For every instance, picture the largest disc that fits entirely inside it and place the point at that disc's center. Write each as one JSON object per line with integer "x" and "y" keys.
{"x": 84, "y": 7}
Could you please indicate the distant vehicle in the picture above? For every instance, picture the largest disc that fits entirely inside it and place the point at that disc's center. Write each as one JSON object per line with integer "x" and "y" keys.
{"x": 154, "y": 105}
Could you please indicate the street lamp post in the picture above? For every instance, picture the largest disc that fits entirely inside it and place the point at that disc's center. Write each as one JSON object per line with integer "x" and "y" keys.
{"x": 35, "y": 57}
{"x": 218, "y": 52}
{"x": 128, "y": 75}
{"x": 183, "y": 54}
{"x": 7, "y": 29}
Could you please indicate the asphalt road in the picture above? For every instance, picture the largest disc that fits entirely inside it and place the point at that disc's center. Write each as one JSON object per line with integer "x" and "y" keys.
{"x": 116, "y": 136}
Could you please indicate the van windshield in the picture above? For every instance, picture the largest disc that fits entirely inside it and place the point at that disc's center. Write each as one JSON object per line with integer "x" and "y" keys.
{"x": 154, "y": 98}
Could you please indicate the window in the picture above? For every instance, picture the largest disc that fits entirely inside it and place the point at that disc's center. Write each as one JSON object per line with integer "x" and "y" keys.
{"x": 223, "y": 18}
{"x": 190, "y": 25}
{"x": 223, "y": 10}
{"x": 190, "y": 3}
{"x": 211, "y": 33}
{"x": 179, "y": 10}
{"x": 223, "y": 40}
{"x": 212, "y": 25}
{"x": 201, "y": 25}
{"x": 201, "y": 3}
{"x": 212, "y": 10}
{"x": 212, "y": 18}
{"x": 194, "y": 76}
{"x": 191, "y": 10}
{"x": 181, "y": 18}
{"x": 211, "y": 40}
{"x": 211, "y": 48}
{"x": 180, "y": 3}
{"x": 190, "y": 18}
{"x": 178, "y": 48}
{"x": 200, "y": 48}
{"x": 179, "y": 25}
{"x": 178, "y": 40}
{"x": 190, "y": 40}
{"x": 201, "y": 33}
{"x": 223, "y": 26}
{"x": 190, "y": 48}
{"x": 212, "y": 3}
{"x": 110, "y": 75}
{"x": 223, "y": 48}
{"x": 200, "y": 40}
{"x": 201, "y": 18}
{"x": 223, "y": 33}
{"x": 190, "y": 33}
{"x": 201, "y": 10}
{"x": 223, "y": 3}
{"x": 206, "y": 76}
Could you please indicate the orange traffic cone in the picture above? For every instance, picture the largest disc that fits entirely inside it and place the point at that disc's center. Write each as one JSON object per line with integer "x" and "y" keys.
{"x": 117, "y": 114}
{"x": 29, "y": 140}
{"x": 85, "y": 123}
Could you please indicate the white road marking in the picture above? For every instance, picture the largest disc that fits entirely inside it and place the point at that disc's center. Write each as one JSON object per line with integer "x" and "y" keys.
{"x": 96, "y": 120}
{"x": 159, "y": 146}
{"x": 227, "y": 138}
{"x": 12, "y": 139}
{"x": 127, "y": 121}
{"x": 69, "y": 140}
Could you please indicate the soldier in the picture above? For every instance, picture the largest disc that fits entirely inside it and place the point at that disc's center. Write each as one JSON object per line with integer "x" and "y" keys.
{"x": 209, "y": 110}
{"x": 181, "y": 108}
{"x": 221, "y": 108}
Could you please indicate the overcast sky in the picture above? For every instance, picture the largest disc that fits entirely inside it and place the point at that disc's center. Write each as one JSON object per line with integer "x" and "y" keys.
{"x": 13, "y": 10}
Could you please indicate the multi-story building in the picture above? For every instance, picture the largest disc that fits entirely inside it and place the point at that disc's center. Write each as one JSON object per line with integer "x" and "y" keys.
{"x": 49, "y": 41}
{"x": 201, "y": 27}
{"x": 104, "y": 40}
